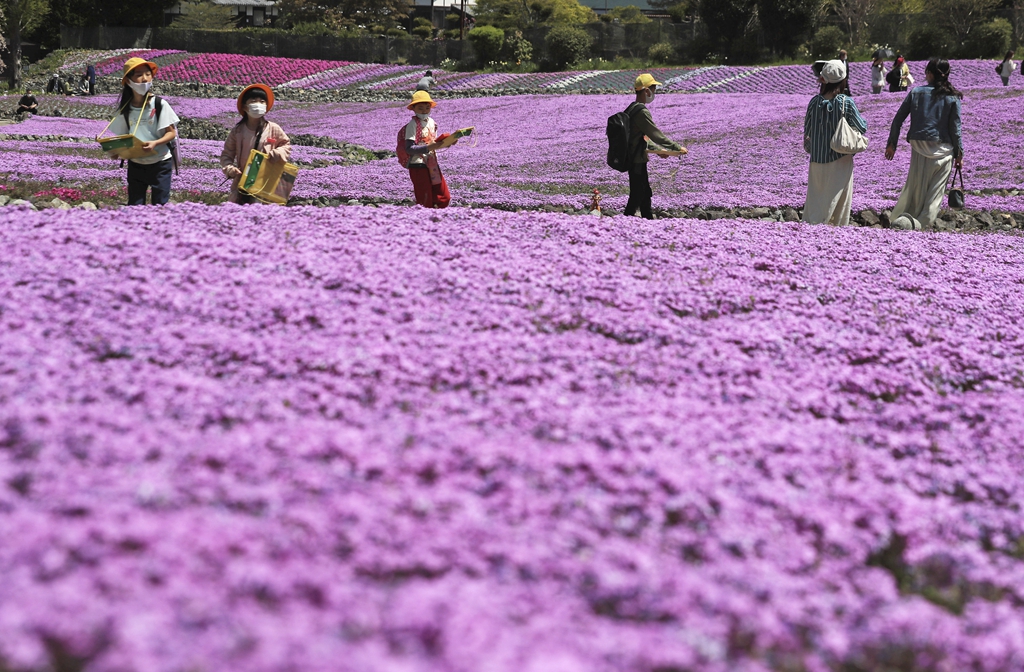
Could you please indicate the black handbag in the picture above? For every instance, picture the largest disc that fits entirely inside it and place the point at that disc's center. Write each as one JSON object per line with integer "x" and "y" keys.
{"x": 955, "y": 198}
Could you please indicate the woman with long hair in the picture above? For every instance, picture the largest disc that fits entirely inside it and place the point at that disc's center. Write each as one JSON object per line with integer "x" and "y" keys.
{"x": 830, "y": 174}
{"x": 1006, "y": 68}
{"x": 936, "y": 142}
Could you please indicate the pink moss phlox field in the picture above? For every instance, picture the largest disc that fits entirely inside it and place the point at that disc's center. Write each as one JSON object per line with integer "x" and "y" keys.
{"x": 259, "y": 438}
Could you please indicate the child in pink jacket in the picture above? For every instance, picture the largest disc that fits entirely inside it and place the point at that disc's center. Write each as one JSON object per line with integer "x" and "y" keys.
{"x": 253, "y": 131}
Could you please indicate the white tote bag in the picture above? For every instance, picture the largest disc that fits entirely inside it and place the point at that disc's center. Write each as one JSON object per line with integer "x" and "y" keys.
{"x": 846, "y": 139}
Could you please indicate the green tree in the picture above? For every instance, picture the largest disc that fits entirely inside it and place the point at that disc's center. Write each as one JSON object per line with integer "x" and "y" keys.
{"x": 727, "y": 20}
{"x": 960, "y": 17}
{"x": 523, "y": 14}
{"x": 629, "y": 14}
{"x": 205, "y": 15}
{"x": 568, "y": 44}
{"x": 107, "y": 12}
{"x": 487, "y": 42}
{"x": 786, "y": 23}
{"x": 855, "y": 14}
{"x": 371, "y": 12}
{"x": 19, "y": 17}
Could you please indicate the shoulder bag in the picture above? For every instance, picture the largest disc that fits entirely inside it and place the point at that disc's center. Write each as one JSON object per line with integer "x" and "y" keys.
{"x": 847, "y": 139}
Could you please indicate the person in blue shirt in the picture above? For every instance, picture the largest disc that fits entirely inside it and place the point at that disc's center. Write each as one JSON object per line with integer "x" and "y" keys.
{"x": 936, "y": 143}
{"x": 830, "y": 175}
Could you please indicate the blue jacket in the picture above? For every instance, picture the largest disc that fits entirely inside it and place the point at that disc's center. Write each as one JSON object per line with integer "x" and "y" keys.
{"x": 934, "y": 118}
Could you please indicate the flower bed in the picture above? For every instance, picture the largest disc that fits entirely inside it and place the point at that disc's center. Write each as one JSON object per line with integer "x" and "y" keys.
{"x": 258, "y": 438}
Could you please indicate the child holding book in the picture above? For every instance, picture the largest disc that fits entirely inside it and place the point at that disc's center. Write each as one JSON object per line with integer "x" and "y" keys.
{"x": 252, "y": 131}
{"x": 150, "y": 119}
{"x": 421, "y": 143}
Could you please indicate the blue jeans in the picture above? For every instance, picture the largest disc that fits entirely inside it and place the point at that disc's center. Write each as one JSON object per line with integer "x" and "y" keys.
{"x": 143, "y": 176}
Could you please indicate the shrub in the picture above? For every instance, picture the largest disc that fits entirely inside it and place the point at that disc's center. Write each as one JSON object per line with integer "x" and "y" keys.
{"x": 518, "y": 49}
{"x": 928, "y": 41}
{"x": 628, "y": 14}
{"x": 663, "y": 52}
{"x": 311, "y": 28}
{"x": 568, "y": 44}
{"x": 487, "y": 42}
{"x": 680, "y": 11}
{"x": 989, "y": 40}
{"x": 423, "y": 28}
{"x": 827, "y": 42}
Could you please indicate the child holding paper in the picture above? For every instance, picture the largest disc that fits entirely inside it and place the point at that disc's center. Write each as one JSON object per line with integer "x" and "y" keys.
{"x": 252, "y": 131}
{"x": 421, "y": 141}
{"x": 150, "y": 119}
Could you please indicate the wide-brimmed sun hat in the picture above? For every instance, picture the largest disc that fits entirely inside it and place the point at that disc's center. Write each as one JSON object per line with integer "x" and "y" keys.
{"x": 252, "y": 87}
{"x": 133, "y": 63}
{"x": 644, "y": 81}
{"x": 833, "y": 72}
{"x": 421, "y": 97}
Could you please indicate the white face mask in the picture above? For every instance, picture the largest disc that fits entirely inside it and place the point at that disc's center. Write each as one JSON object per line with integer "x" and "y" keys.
{"x": 423, "y": 117}
{"x": 141, "y": 88}
{"x": 256, "y": 110}
{"x": 648, "y": 96}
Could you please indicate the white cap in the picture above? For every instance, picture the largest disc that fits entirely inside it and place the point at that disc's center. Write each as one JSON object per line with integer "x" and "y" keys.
{"x": 833, "y": 72}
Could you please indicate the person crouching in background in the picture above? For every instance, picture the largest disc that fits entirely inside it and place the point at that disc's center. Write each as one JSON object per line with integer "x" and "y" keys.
{"x": 156, "y": 129}
{"x": 252, "y": 131}
{"x": 421, "y": 143}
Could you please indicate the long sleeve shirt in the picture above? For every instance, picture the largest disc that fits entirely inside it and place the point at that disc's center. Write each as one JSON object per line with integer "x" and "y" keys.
{"x": 934, "y": 118}
{"x": 643, "y": 127}
{"x": 241, "y": 140}
{"x": 820, "y": 123}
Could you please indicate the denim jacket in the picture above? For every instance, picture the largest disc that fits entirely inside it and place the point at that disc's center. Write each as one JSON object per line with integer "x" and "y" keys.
{"x": 932, "y": 118}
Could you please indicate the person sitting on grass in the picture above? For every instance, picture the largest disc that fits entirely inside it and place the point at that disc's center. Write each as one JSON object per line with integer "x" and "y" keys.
{"x": 28, "y": 103}
{"x": 252, "y": 131}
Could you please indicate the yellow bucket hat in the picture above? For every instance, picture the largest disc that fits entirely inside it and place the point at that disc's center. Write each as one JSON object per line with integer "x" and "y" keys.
{"x": 421, "y": 97}
{"x": 133, "y": 63}
{"x": 645, "y": 80}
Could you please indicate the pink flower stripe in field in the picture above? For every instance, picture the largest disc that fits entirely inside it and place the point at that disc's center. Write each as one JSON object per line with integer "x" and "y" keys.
{"x": 228, "y": 69}
{"x": 260, "y": 439}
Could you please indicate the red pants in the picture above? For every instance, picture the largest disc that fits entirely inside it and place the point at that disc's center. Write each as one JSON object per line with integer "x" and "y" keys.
{"x": 429, "y": 195}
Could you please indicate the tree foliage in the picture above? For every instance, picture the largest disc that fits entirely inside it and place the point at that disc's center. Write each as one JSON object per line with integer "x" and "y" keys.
{"x": 523, "y": 14}
{"x": 487, "y": 42}
{"x": 107, "y": 12}
{"x": 205, "y": 15}
{"x": 960, "y": 17}
{"x": 786, "y": 23}
{"x": 726, "y": 20}
{"x": 568, "y": 44}
{"x": 19, "y": 17}
{"x": 629, "y": 14}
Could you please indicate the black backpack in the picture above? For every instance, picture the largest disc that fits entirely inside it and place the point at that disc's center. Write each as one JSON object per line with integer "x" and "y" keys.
{"x": 894, "y": 76}
{"x": 619, "y": 126}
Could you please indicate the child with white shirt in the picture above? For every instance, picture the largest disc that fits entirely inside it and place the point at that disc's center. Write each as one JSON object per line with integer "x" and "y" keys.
{"x": 421, "y": 141}
{"x": 151, "y": 120}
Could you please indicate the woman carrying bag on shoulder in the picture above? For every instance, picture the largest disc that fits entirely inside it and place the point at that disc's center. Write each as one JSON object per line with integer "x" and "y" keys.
{"x": 937, "y": 144}
{"x": 830, "y": 175}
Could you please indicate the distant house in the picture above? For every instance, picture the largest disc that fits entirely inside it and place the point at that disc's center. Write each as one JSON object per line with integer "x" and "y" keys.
{"x": 247, "y": 12}
{"x": 604, "y": 6}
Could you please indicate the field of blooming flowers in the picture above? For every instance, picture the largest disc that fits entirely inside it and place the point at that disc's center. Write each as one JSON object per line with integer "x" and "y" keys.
{"x": 259, "y": 438}
{"x": 319, "y": 75}
{"x": 548, "y": 150}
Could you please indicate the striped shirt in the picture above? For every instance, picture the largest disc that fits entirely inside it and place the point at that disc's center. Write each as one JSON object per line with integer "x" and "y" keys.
{"x": 820, "y": 125}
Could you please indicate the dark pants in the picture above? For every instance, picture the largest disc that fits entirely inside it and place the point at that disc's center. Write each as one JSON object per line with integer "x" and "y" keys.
{"x": 640, "y": 193}
{"x": 92, "y": 87}
{"x": 155, "y": 175}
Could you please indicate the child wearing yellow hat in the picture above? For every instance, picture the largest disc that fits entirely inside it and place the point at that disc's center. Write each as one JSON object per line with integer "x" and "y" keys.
{"x": 151, "y": 120}
{"x": 421, "y": 141}
{"x": 643, "y": 135}
{"x": 253, "y": 131}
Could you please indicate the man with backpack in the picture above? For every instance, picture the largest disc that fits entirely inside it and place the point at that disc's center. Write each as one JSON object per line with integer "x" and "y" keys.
{"x": 630, "y": 134}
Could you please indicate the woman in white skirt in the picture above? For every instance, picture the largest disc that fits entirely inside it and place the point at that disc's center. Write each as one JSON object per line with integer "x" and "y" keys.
{"x": 830, "y": 176}
{"x": 937, "y": 145}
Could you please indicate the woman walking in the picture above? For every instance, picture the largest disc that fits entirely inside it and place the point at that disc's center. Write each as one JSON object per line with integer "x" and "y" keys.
{"x": 1006, "y": 68}
{"x": 877, "y": 74}
{"x": 936, "y": 142}
{"x": 830, "y": 176}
